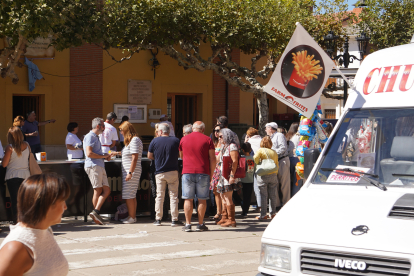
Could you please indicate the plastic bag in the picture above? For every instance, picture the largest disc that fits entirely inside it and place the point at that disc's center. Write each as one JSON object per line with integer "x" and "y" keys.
{"x": 322, "y": 136}
{"x": 305, "y": 127}
{"x": 300, "y": 170}
{"x": 304, "y": 144}
{"x": 122, "y": 212}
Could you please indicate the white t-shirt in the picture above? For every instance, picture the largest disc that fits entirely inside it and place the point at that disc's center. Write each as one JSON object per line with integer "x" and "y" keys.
{"x": 110, "y": 134}
{"x": 171, "y": 128}
{"x": 72, "y": 139}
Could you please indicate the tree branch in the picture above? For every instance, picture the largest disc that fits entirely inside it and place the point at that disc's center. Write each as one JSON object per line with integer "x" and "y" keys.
{"x": 12, "y": 58}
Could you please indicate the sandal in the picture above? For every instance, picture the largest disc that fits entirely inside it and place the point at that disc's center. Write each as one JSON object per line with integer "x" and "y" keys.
{"x": 262, "y": 218}
{"x": 217, "y": 217}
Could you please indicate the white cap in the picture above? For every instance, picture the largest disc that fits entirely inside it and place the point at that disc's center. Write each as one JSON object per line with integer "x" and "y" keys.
{"x": 272, "y": 125}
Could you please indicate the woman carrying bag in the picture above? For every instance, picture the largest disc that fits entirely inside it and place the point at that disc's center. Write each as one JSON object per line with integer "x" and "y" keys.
{"x": 16, "y": 159}
{"x": 266, "y": 176}
{"x": 227, "y": 184}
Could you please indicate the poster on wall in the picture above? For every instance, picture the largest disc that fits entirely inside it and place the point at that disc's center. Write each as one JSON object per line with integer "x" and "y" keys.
{"x": 39, "y": 48}
{"x": 135, "y": 113}
{"x": 301, "y": 73}
{"x": 139, "y": 92}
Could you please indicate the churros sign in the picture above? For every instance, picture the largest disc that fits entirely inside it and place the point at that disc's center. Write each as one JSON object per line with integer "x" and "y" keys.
{"x": 301, "y": 73}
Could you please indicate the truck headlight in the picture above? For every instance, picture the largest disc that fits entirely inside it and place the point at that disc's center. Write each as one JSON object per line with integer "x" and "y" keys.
{"x": 275, "y": 257}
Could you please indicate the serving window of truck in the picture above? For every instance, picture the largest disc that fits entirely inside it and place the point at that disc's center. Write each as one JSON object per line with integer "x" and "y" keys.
{"x": 377, "y": 142}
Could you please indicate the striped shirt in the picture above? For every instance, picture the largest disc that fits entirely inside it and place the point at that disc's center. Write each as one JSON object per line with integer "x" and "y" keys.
{"x": 129, "y": 189}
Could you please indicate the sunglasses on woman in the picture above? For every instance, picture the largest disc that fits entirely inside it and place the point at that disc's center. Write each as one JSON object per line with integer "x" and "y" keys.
{"x": 217, "y": 130}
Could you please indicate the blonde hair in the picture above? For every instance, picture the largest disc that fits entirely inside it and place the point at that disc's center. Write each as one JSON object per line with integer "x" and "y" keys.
{"x": 129, "y": 132}
{"x": 266, "y": 142}
{"x": 17, "y": 122}
{"x": 15, "y": 139}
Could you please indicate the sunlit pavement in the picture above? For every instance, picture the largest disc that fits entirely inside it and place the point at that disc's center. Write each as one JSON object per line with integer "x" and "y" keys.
{"x": 145, "y": 249}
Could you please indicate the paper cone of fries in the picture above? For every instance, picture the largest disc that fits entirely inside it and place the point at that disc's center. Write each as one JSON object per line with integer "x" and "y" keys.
{"x": 306, "y": 69}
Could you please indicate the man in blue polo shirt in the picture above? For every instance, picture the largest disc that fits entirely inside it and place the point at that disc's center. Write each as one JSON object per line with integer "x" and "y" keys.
{"x": 164, "y": 150}
{"x": 95, "y": 168}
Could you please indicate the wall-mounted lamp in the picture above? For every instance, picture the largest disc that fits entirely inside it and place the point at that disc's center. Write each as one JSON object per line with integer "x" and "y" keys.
{"x": 154, "y": 63}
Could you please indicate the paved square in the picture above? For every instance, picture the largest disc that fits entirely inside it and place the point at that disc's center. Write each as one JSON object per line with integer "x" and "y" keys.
{"x": 145, "y": 249}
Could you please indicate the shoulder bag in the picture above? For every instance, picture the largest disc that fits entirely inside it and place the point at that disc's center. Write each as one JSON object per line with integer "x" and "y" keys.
{"x": 33, "y": 166}
{"x": 267, "y": 166}
{"x": 241, "y": 167}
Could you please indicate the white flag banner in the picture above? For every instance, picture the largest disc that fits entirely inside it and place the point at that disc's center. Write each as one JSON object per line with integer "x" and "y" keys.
{"x": 301, "y": 73}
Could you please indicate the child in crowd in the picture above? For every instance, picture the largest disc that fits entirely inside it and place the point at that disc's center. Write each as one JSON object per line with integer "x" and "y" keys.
{"x": 248, "y": 180}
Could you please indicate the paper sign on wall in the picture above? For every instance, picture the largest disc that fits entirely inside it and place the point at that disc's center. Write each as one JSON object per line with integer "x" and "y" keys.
{"x": 301, "y": 73}
{"x": 132, "y": 109}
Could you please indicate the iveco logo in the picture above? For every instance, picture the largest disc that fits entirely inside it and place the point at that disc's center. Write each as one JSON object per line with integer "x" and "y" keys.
{"x": 349, "y": 264}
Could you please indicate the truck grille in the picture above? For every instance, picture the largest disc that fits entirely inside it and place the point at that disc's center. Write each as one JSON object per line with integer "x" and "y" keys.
{"x": 323, "y": 263}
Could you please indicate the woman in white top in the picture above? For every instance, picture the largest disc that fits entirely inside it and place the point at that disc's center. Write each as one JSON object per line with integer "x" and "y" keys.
{"x": 131, "y": 168}
{"x": 253, "y": 137}
{"x": 16, "y": 159}
{"x": 30, "y": 248}
{"x": 73, "y": 143}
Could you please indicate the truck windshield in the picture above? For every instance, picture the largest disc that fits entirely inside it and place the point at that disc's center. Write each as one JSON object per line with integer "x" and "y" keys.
{"x": 375, "y": 141}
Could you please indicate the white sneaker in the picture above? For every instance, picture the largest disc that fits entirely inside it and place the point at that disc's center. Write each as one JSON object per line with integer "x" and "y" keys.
{"x": 124, "y": 219}
{"x": 130, "y": 220}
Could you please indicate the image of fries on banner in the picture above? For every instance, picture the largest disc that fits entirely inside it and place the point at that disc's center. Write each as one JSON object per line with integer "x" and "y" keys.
{"x": 306, "y": 69}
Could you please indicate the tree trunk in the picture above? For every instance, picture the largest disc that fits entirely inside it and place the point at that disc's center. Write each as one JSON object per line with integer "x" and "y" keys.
{"x": 263, "y": 113}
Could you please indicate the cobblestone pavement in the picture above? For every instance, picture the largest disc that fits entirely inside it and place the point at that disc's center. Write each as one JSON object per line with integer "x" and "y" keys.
{"x": 145, "y": 249}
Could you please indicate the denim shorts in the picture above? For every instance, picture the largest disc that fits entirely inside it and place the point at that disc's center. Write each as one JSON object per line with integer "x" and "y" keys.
{"x": 195, "y": 184}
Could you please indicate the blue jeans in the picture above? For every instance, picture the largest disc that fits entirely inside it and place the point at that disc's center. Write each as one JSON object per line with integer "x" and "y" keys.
{"x": 196, "y": 184}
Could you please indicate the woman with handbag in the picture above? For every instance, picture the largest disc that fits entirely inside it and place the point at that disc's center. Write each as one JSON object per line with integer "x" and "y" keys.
{"x": 228, "y": 183}
{"x": 16, "y": 159}
{"x": 266, "y": 176}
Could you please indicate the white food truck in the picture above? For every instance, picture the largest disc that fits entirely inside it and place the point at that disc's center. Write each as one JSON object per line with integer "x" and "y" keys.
{"x": 355, "y": 213}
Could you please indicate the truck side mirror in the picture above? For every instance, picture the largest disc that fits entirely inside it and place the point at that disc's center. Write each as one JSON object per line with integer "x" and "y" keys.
{"x": 310, "y": 157}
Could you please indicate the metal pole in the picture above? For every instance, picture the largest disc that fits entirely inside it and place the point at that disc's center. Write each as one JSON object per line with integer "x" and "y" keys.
{"x": 346, "y": 63}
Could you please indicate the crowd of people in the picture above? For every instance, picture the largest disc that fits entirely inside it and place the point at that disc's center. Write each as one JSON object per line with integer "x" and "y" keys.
{"x": 210, "y": 176}
{"x": 203, "y": 181}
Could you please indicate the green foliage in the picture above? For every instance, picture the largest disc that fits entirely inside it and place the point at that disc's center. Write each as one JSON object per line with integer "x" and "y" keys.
{"x": 249, "y": 25}
{"x": 388, "y": 22}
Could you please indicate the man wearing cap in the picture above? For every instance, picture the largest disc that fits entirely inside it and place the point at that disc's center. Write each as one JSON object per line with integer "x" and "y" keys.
{"x": 109, "y": 136}
{"x": 283, "y": 175}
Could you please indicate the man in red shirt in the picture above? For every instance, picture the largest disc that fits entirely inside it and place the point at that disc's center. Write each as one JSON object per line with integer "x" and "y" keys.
{"x": 199, "y": 162}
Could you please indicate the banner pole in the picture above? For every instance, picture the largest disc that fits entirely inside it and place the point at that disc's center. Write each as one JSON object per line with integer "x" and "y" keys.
{"x": 345, "y": 78}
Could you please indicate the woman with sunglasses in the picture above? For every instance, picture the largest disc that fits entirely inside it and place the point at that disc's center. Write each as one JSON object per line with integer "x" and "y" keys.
{"x": 225, "y": 188}
{"x": 131, "y": 168}
{"x": 216, "y": 176}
